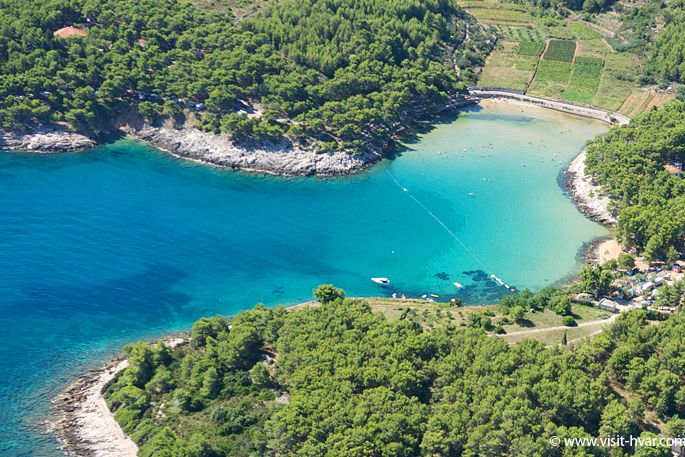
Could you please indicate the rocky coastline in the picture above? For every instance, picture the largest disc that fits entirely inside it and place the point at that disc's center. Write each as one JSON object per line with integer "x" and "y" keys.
{"x": 189, "y": 143}
{"x": 587, "y": 194}
{"x": 45, "y": 141}
{"x": 219, "y": 150}
{"x": 86, "y": 427}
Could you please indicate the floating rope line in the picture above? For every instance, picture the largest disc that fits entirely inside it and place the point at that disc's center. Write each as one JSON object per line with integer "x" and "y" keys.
{"x": 444, "y": 226}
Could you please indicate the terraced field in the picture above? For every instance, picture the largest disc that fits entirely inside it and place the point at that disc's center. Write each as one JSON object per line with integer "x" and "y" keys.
{"x": 495, "y": 16}
{"x": 577, "y": 65}
{"x": 552, "y": 78}
{"x": 530, "y": 48}
{"x": 560, "y": 50}
{"x": 641, "y": 100}
{"x": 584, "y": 81}
{"x": 519, "y": 32}
{"x": 507, "y": 67}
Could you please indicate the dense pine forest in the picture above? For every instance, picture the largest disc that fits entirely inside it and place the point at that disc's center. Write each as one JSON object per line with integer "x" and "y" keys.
{"x": 630, "y": 163}
{"x": 339, "y": 380}
{"x": 345, "y": 73}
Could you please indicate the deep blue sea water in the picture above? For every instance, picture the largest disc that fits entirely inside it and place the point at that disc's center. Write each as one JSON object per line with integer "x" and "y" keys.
{"x": 123, "y": 242}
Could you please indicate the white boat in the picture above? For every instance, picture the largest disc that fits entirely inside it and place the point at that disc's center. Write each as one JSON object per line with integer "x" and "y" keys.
{"x": 458, "y": 285}
{"x": 497, "y": 280}
{"x": 381, "y": 281}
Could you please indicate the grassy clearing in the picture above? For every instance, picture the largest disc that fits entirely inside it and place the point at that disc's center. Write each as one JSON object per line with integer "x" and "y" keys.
{"x": 593, "y": 48}
{"x": 430, "y": 315}
{"x": 427, "y": 313}
{"x": 519, "y": 32}
{"x": 560, "y": 50}
{"x": 500, "y": 15}
{"x": 506, "y": 67}
{"x": 548, "y": 318}
{"x": 583, "y": 32}
{"x": 553, "y": 337}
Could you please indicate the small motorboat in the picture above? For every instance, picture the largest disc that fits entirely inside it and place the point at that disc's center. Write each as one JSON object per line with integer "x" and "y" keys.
{"x": 435, "y": 296}
{"x": 381, "y": 281}
{"x": 497, "y": 280}
{"x": 458, "y": 285}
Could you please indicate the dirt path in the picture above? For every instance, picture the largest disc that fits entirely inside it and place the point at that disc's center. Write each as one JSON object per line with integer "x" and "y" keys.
{"x": 563, "y": 327}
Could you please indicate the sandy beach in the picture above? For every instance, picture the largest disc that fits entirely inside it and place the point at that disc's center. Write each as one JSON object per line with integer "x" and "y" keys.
{"x": 607, "y": 250}
{"x": 602, "y": 115}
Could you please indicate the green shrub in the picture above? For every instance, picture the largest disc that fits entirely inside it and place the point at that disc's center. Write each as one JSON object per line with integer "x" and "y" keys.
{"x": 568, "y": 321}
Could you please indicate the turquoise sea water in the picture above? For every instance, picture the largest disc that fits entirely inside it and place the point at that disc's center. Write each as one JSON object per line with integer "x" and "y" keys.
{"x": 122, "y": 243}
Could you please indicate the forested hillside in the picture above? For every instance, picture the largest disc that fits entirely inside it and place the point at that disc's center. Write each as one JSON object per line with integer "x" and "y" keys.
{"x": 347, "y": 73}
{"x": 630, "y": 162}
{"x": 668, "y": 59}
{"x": 340, "y": 380}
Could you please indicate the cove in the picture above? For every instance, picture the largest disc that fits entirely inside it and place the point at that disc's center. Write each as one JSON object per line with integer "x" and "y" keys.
{"x": 124, "y": 242}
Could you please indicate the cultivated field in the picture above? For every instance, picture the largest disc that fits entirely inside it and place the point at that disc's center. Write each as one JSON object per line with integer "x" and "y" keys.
{"x": 641, "y": 100}
{"x": 507, "y": 67}
{"x": 575, "y": 61}
{"x": 519, "y": 32}
{"x": 560, "y": 50}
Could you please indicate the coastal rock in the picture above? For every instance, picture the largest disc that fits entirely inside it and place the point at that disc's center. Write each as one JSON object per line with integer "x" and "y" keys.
{"x": 587, "y": 195}
{"x": 87, "y": 427}
{"x": 206, "y": 147}
{"x": 45, "y": 141}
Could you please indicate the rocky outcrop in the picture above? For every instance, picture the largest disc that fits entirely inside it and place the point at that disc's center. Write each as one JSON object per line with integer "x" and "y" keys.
{"x": 87, "y": 427}
{"x": 587, "y": 195}
{"x": 205, "y": 147}
{"x": 45, "y": 141}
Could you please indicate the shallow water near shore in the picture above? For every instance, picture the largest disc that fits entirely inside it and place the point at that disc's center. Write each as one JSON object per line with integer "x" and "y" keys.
{"x": 124, "y": 242}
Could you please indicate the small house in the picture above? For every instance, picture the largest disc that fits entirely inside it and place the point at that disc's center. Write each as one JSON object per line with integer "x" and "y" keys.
{"x": 646, "y": 287}
{"x": 608, "y": 305}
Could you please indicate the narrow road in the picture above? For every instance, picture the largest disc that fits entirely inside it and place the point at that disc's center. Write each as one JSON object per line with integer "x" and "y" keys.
{"x": 610, "y": 117}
